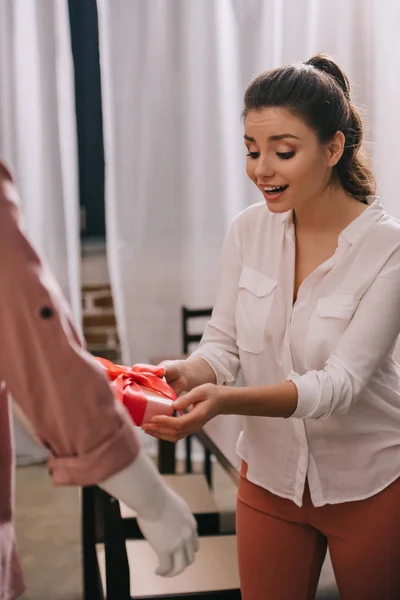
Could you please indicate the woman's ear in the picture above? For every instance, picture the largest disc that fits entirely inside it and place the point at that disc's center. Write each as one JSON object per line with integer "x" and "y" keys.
{"x": 335, "y": 148}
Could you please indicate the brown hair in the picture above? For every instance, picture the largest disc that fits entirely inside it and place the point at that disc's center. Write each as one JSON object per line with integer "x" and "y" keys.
{"x": 319, "y": 92}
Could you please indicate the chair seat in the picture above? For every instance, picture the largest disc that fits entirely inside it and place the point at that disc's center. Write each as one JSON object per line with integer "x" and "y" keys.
{"x": 192, "y": 488}
{"x": 214, "y": 569}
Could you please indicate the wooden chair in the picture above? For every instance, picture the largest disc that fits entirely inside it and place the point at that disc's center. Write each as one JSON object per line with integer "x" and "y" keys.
{"x": 118, "y": 564}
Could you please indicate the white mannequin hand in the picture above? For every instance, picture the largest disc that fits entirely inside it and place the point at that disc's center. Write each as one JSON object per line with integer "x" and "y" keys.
{"x": 163, "y": 517}
{"x": 173, "y": 536}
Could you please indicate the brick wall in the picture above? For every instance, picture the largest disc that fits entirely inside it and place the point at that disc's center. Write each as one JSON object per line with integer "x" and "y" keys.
{"x": 99, "y": 323}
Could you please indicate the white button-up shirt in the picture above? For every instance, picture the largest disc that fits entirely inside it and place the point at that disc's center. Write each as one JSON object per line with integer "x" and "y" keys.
{"x": 335, "y": 343}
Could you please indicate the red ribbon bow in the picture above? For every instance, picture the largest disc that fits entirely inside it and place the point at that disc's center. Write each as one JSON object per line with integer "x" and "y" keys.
{"x": 128, "y": 383}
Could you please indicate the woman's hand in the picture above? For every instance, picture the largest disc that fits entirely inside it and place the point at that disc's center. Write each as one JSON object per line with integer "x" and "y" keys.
{"x": 204, "y": 400}
{"x": 175, "y": 375}
{"x": 185, "y": 375}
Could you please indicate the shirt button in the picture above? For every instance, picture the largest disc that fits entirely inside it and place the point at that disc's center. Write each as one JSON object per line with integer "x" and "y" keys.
{"x": 46, "y": 312}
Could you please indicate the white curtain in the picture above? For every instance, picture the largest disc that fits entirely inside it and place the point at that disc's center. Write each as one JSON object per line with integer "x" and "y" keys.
{"x": 38, "y": 140}
{"x": 173, "y": 77}
{"x": 38, "y": 130}
{"x": 385, "y": 97}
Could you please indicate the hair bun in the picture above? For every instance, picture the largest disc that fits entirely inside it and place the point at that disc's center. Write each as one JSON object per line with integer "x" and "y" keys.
{"x": 329, "y": 66}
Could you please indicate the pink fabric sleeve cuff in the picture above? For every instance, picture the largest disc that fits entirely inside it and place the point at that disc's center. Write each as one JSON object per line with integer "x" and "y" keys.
{"x": 111, "y": 456}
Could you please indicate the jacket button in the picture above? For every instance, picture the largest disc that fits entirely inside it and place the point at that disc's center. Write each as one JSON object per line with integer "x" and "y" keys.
{"x": 46, "y": 312}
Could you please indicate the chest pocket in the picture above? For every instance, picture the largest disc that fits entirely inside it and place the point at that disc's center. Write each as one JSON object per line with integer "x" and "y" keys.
{"x": 340, "y": 306}
{"x": 327, "y": 325}
{"x": 254, "y": 301}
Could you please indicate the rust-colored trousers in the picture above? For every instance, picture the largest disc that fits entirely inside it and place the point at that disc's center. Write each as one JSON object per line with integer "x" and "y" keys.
{"x": 281, "y": 547}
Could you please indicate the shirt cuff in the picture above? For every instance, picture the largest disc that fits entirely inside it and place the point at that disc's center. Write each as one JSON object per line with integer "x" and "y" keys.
{"x": 111, "y": 456}
{"x": 307, "y": 400}
{"x": 222, "y": 374}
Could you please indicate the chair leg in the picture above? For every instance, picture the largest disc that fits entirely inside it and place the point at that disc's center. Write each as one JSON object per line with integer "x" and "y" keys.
{"x": 208, "y": 467}
{"x": 92, "y": 587}
{"x": 117, "y": 565}
{"x": 166, "y": 457}
{"x": 188, "y": 446}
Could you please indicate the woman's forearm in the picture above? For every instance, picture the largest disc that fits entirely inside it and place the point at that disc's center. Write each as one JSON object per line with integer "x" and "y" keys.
{"x": 263, "y": 401}
{"x": 197, "y": 371}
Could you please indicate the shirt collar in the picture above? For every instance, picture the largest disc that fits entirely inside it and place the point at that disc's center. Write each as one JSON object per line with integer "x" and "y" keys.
{"x": 361, "y": 224}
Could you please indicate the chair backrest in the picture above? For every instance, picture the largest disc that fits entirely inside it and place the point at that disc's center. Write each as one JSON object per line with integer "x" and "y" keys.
{"x": 187, "y": 315}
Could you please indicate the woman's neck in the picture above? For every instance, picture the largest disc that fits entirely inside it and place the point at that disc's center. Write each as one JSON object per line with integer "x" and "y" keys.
{"x": 330, "y": 211}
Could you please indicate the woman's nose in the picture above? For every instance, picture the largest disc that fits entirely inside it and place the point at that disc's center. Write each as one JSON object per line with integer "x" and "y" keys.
{"x": 264, "y": 168}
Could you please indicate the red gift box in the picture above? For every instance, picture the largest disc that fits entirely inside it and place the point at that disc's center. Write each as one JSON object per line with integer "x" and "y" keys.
{"x": 141, "y": 390}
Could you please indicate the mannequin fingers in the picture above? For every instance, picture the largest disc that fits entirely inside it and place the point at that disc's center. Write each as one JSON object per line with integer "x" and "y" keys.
{"x": 195, "y": 541}
{"x": 181, "y": 561}
{"x": 165, "y": 564}
{"x": 190, "y": 551}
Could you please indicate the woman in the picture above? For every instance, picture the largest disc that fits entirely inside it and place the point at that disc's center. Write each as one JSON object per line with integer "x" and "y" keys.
{"x": 309, "y": 310}
{"x": 65, "y": 396}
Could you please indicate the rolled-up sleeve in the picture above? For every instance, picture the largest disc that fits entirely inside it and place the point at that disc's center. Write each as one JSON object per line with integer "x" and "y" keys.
{"x": 59, "y": 387}
{"x": 367, "y": 341}
{"x": 218, "y": 345}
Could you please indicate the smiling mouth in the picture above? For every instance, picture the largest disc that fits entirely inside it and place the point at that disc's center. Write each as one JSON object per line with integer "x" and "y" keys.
{"x": 275, "y": 190}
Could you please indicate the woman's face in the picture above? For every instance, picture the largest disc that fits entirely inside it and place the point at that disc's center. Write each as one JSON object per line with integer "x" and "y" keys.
{"x": 285, "y": 159}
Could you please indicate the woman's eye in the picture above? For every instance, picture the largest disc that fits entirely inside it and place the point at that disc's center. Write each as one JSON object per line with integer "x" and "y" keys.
{"x": 253, "y": 154}
{"x": 286, "y": 155}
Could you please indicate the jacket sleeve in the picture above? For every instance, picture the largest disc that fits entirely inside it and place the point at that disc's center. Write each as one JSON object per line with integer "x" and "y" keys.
{"x": 56, "y": 383}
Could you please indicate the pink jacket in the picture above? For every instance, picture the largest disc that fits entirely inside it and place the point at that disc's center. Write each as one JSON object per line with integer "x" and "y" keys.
{"x": 56, "y": 383}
